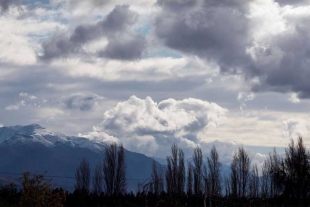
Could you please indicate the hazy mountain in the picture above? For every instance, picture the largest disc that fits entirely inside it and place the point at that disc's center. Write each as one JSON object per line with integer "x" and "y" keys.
{"x": 36, "y": 149}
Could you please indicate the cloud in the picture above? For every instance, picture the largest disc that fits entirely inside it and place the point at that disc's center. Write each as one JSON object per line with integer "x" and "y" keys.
{"x": 270, "y": 51}
{"x": 203, "y": 30}
{"x": 142, "y": 124}
{"x": 5, "y": 4}
{"x": 27, "y": 100}
{"x": 294, "y": 98}
{"x": 294, "y": 127}
{"x": 12, "y": 107}
{"x": 123, "y": 43}
{"x": 81, "y": 101}
{"x": 244, "y": 97}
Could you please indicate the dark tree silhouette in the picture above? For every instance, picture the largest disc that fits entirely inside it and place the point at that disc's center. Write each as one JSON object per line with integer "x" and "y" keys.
{"x": 297, "y": 169}
{"x": 82, "y": 177}
{"x": 254, "y": 182}
{"x": 189, "y": 178}
{"x": 240, "y": 171}
{"x": 175, "y": 173}
{"x": 157, "y": 178}
{"x": 198, "y": 178}
{"x": 98, "y": 180}
{"x": 114, "y": 169}
{"x": 214, "y": 173}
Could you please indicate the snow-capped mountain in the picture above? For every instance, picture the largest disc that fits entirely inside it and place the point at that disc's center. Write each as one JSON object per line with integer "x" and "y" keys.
{"x": 37, "y": 149}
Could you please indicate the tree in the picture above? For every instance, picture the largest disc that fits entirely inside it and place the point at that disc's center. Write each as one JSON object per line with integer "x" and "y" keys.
{"x": 114, "y": 169}
{"x": 157, "y": 178}
{"x": 198, "y": 161}
{"x": 240, "y": 171}
{"x": 265, "y": 181}
{"x": 175, "y": 173}
{"x": 214, "y": 173}
{"x": 276, "y": 176}
{"x": 37, "y": 191}
{"x": 98, "y": 180}
{"x": 254, "y": 182}
{"x": 190, "y": 179}
{"x": 297, "y": 169}
{"x": 82, "y": 177}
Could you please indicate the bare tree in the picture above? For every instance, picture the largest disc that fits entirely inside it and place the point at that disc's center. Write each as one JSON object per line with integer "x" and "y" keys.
{"x": 275, "y": 167}
{"x": 98, "y": 180}
{"x": 234, "y": 179}
{"x": 265, "y": 181}
{"x": 157, "y": 178}
{"x": 189, "y": 178}
{"x": 175, "y": 173}
{"x": 240, "y": 171}
{"x": 296, "y": 169}
{"x": 181, "y": 172}
{"x": 114, "y": 169}
{"x": 214, "y": 173}
{"x": 198, "y": 160}
{"x": 227, "y": 186}
{"x": 82, "y": 177}
{"x": 254, "y": 182}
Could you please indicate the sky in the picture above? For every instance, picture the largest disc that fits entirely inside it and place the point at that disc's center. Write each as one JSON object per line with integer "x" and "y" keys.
{"x": 149, "y": 73}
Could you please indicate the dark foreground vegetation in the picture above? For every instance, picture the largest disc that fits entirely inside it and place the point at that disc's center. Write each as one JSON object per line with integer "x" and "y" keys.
{"x": 283, "y": 181}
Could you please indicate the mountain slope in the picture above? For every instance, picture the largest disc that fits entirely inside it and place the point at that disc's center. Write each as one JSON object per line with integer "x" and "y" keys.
{"x": 34, "y": 148}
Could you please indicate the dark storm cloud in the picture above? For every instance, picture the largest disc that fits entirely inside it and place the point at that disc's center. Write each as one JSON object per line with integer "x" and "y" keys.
{"x": 221, "y": 31}
{"x": 123, "y": 43}
{"x": 211, "y": 31}
{"x": 5, "y": 4}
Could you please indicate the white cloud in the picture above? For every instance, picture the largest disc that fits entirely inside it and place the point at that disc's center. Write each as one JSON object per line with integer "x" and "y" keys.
{"x": 294, "y": 98}
{"x": 12, "y": 107}
{"x": 244, "y": 97}
{"x": 295, "y": 127}
{"x": 150, "y": 127}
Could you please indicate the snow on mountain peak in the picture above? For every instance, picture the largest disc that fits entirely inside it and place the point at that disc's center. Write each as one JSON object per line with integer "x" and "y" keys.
{"x": 39, "y": 134}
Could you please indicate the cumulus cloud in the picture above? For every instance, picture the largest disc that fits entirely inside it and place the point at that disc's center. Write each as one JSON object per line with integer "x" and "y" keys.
{"x": 294, "y": 98}
{"x": 81, "y": 101}
{"x": 142, "y": 124}
{"x": 292, "y": 128}
{"x": 123, "y": 43}
{"x": 241, "y": 37}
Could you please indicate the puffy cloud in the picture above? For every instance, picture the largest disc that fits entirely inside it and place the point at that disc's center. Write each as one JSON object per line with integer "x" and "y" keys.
{"x": 142, "y": 124}
{"x": 294, "y": 98}
{"x": 294, "y": 127}
{"x": 81, "y": 101}
{"x": 270, "y": 51}
{"x": 12, "y": 107}
{"x": 203, "y": 30}
{"x": 123, "y": 43}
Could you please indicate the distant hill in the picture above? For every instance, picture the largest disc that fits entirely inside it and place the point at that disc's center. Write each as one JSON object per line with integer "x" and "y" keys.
{"x": 36, "y": 149}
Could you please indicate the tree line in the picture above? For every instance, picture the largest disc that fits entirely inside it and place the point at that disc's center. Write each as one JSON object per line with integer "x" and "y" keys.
{"x": 282, "y": 181}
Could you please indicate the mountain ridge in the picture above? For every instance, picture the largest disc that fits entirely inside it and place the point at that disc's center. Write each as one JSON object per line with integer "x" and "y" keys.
{"x": 36, "y": 149}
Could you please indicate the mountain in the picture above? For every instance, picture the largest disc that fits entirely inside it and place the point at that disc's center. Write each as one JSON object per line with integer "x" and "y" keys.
{"x": 36, "y": 149}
